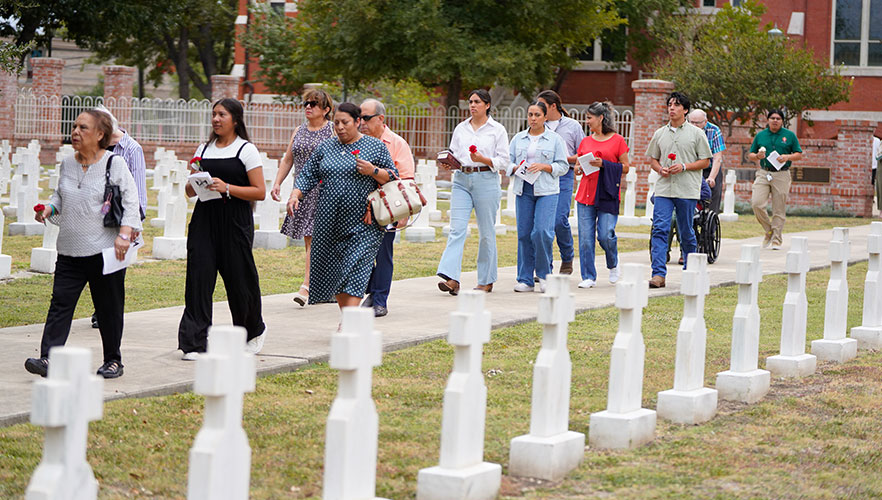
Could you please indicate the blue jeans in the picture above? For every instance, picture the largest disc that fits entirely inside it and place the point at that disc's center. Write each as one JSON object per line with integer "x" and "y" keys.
{"x": 535, "y": 218}
{"x": 479, "y": 191}
{"x": 604, "y": 223}
{"x": 561, "y": 218}
{"x": 661, "y": 230}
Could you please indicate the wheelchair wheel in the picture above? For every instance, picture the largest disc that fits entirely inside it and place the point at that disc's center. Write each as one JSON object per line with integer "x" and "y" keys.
{"x": 713, "y": 233}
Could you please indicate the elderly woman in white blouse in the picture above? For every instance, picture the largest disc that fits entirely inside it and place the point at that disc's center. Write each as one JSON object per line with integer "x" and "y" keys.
{"x": 78, "y": 206}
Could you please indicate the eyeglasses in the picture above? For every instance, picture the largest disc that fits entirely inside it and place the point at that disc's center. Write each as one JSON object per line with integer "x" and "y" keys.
{"x": 368, "y": 118}
{"x": 312, "y": 104}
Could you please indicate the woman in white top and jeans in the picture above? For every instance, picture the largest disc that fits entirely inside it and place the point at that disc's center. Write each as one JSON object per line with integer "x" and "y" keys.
{"x": 480, "y": 144}
{"x": 540, "y": 156}
{"x": 77, "y": 207}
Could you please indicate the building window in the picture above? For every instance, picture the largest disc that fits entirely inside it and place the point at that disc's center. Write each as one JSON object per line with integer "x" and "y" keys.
{"x": 857, "y": 32}
{"x": 709, "y": 3}
{"x": 737, "y": 3}
{"x": 278, "y": 6}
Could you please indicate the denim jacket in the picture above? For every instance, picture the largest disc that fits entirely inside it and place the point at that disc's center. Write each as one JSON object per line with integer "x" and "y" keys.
{"x": 550, "y": 149}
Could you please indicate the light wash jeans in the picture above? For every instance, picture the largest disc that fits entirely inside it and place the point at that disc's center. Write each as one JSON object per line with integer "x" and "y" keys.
{"x": 535, "y": 218}
{"x": 562, "y": 217}
{"x": 602, "y": 223}
{"x": 479, "y": 191}
{"x": 661, "y": 229}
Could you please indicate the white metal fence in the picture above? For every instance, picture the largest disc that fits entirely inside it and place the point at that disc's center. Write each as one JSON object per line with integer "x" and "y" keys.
{"x": 169, "y": 121}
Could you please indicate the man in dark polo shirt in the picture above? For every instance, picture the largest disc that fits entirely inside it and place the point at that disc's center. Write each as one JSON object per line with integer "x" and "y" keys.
{"x": 772, "y": 182}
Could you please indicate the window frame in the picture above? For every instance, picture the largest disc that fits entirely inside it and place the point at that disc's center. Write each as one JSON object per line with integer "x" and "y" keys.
{"x": 864, "y": 42}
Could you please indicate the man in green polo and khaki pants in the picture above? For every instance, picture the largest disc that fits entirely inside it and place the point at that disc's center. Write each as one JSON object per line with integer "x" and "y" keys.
{"x": 771, "y": 181}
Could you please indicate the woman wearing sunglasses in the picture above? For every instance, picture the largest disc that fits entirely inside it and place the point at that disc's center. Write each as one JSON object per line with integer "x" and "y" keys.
{"x": 317, "y": 106}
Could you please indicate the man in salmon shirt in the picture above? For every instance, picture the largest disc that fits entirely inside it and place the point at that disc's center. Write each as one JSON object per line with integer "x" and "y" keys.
{"x": 373, "y": 123}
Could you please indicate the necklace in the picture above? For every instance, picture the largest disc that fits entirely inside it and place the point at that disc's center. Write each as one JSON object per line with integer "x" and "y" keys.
{"x": 80, "y": 178}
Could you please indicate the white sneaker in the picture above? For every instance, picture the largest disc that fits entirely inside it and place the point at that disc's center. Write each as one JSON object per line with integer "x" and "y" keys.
{"x": 776, "y": 246}
{"x": 589, "y": 283}
{"x": 541, "y": 285}
{"x": 614, "y": 274}
{"x": 190, "y": 356}
{"x": 256, "y": 344}
{"x": 521, "y": 287}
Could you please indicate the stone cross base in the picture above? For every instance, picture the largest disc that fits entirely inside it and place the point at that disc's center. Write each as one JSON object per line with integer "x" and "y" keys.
{"x": 802, "y": 365}
{"x": 500, "y": 229}
{"x": 687, "y": 407}
{"x": 272, "y": 240}
{"x": 157, "y": 222}
{"x": 621, "y": 430}
{"x": 26, "y": 228}
{"x": 574, "y": 222}
{"x": 630, "y": 221}
{"x": 549, "y": 458}
{"x": 728, "y": 217}
{"x": 746, "y": 387}
{"x": 478, "y": 482}
{"x": 169, "y": 248}
{"x": 436, "y": 214}
{"x": 43, "y": 260}
{"x": 10, "y": 210}
{"x": 419, "y": 234}
{"x": 5, "y": 265}
{"x": 868, "y": 337}
{"x": 506, "y": 212}
{"x": 839, "y": 351}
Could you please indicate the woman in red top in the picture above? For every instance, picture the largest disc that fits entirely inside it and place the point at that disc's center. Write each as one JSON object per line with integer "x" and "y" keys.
{"x": 597, "y": 199}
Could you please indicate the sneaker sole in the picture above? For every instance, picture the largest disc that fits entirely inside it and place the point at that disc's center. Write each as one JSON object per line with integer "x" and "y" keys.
{"x": 35, "y": 369}
{"x": 113, "y": 375}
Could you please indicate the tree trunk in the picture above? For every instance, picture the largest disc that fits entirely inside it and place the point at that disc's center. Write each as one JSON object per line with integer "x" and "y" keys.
{"x": 559, "y": 79}
{"x": 182, "y": 64}
{"x": 451, "y": 101}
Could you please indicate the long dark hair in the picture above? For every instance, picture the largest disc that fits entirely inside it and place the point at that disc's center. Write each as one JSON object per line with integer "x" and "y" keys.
{"x": 603, "y": 110}
{"x": 553, "y": 99}
{"x": 234, "y": 107}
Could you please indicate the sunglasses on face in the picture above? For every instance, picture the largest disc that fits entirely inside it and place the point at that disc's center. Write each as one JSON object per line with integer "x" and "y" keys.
{"x": 310, "y": 104}
{"x": 368, "y": 118}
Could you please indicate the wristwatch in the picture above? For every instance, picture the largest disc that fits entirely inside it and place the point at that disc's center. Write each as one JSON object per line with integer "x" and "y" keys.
{"x": 376, "y": 170}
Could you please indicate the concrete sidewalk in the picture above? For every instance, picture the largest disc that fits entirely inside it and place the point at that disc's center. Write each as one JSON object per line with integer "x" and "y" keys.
{"x": 297, "y": 336}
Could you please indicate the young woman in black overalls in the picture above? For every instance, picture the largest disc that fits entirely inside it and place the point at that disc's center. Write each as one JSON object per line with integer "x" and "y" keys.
{"x": 221, "y": 233}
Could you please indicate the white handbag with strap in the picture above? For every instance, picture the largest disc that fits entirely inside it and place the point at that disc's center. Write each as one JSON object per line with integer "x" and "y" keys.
{"x": 393, "y": 201}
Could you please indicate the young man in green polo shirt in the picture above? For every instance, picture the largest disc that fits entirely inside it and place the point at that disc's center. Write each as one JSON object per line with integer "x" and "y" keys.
{"x": 771, "y": 181}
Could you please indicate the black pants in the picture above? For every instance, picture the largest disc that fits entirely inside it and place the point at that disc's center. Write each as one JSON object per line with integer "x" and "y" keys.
{"x": 716, "y": 191}
{"x": 108, "y": 297}
{"x": 381, "y": 277}
{"x": 219, "y": 241}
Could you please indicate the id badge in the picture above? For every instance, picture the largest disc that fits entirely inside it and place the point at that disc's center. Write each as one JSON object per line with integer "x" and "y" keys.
{"x": 769, "y": 177}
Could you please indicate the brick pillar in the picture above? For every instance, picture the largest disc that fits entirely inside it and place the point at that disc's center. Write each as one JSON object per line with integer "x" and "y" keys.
{"x": 224, "y": 86}
{"x": 47, "y": 88}
{"x": 8, "y": 96}
{"x": 118, "y": 82}
{"x": 850, "y": 176}
{"x": 650, "y": 113}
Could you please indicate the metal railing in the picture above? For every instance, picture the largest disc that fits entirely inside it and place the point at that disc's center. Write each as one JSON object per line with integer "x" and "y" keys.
{"x": 169, "y": 121}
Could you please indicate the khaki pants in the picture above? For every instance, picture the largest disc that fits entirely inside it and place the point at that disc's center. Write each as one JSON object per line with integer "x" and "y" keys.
{"x": 777, "y": 188}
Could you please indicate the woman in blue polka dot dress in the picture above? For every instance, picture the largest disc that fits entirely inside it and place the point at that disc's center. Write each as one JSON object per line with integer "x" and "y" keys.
{"x": 344, "y": 247}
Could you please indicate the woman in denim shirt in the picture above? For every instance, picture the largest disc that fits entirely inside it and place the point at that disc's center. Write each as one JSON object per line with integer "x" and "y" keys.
{"x": 539, "y": 157}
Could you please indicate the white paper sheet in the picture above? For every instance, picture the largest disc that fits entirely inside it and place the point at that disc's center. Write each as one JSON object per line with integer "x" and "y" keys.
{"x": 200, "y": 181}
{"x": 111, "y": 265}
{"x": 774, "y": 161}
{"x": 529, "y": 177}
{"x": 585, "y": 162}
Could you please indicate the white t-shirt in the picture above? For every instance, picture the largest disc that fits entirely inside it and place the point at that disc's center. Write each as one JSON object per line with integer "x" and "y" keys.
{"x": 250, "y": 156}
{"x": 531, "y": 149}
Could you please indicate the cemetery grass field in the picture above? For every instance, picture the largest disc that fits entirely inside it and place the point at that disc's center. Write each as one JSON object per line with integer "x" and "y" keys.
{"x": 818, "y": 437}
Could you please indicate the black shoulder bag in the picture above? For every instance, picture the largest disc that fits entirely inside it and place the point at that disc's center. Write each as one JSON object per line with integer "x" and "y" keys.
{"x": 112, "y": 208}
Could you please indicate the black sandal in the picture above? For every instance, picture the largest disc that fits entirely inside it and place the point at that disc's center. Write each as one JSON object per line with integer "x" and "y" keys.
{"x": 111, "y": 369}
{"x": 37, "y": 366}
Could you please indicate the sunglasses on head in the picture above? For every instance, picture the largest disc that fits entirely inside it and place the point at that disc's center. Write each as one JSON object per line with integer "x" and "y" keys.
{"x": 309, "y": 104}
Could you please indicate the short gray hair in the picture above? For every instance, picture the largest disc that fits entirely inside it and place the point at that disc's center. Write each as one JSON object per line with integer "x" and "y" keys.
{"x": 379, "y": 107}
{"x": 106, "y": 111}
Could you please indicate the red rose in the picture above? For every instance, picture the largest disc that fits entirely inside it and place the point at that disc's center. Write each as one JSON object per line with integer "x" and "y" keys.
{"x": 356, "y": 151}
{"x": 598, "y": 155}
{"x": 473, "y": 149}
{"x": 39, "y": 207}
{"x": 672, "y": 156}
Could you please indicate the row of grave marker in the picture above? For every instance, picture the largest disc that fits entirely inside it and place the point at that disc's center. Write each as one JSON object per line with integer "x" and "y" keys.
{"x": 70, "y": 397}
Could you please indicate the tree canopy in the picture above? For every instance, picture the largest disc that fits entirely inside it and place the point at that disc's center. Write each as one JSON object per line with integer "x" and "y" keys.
{"x": 732, "y": 69}
{"x": 455, "y": 45}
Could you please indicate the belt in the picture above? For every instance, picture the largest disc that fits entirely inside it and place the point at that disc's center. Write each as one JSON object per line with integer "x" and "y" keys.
{"x": 769, "y": 169}
{"x": 471, "y": 170}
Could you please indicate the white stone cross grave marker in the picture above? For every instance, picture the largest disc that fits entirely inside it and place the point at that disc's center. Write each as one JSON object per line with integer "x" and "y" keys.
{"x": 835, "y": 346}
{"x": 27, "y": 196}
{"x": 624, "y": 423}
{"x": 269, "y": 211}
{"x": 64, "y": 403}
{"x": 220, "y": 459}
{"x": 19, "y": 162}
{"x": 43, "y": 258}
{"x": 550, "y": 450}
{"x": 510, "y": 199}
{"x": 163, "y": 169}
{"x": 430, "y": 189}
{"x": 629, "y": 219}
{"x": 499, "y": 227}
{"x": 793, "y": 360}
{"x": 173, "y": 242}
{"x": 869, "y": 334}
{"x": 5, "y": 172}
{"x": 743, "y": 381}
{"x": 647, "y": 216}
{"x": 462, "y": 473}
{"x": 421, "y": 231}
{"x": 690, "y": 402}
{"x": 351, "y": 435}
{"x": 5, "y": 260}
{"x": 729, "y": 214}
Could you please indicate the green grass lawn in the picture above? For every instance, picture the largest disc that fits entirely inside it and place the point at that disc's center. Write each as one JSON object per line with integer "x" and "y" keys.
{"x": 815, "y": 438}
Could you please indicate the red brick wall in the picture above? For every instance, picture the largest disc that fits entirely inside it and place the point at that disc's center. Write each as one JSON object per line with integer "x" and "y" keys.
{"x": 8, "y": 94}
{"x": 224, "y": 86}
{"x": 118, "y": 82}
{"x": 47, "y": 82}
{"x": 650, "y": 113}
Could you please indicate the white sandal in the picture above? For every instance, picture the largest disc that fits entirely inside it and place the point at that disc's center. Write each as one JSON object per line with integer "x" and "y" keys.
{"x": 301, "y": 299}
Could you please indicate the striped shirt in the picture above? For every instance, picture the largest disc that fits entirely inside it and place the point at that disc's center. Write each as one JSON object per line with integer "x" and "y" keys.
{"x": 78, "y": 200}
{"x": 132, "y": 153}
